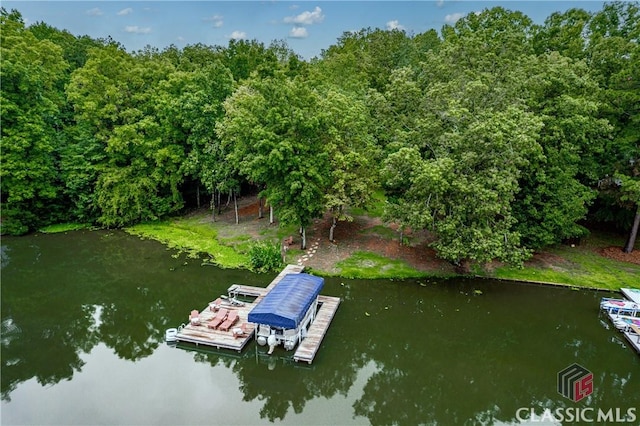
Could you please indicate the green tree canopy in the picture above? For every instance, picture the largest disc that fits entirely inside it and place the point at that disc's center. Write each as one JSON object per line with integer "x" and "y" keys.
{"x": 275, "y": 135}
{"x": 31, "y": 71}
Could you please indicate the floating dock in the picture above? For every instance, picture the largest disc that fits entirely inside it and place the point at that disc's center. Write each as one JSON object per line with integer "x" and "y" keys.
{"x": 632, "y": 294}
{"x": 203, "y": 335}
{"x": 306, "y": 350}
{"x": 633, "y": 337}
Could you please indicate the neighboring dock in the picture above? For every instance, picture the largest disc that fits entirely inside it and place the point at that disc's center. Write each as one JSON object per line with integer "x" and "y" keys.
{"x": 306, "y": 350}
{"x": 633, "y": 336}
{"x": 624, "y": 315}
{"x": 631, "y": 294}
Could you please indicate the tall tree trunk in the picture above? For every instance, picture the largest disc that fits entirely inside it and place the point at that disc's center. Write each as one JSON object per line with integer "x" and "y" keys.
{"x": 270, "y": 214}
{"x": 198, "y": 195}
{"x": 260, "y": 203}
{"x": 213, "y": 202}
{"x": 303, "y": 238}
{"x": 631, "y": 241}
{"x": 219, "y": 203}
{"x": 235, "y": 206}
{"x": 333, "y": 227}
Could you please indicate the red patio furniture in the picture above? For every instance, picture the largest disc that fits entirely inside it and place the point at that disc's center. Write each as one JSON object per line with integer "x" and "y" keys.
{"x": 231, "y": 319}
{"x": 241, "y": 331}
{"x": 215, "y": 305}
{"x": 218, "y": 319}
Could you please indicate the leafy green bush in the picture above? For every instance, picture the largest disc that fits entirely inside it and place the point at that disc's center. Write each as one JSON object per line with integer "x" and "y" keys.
{"x": 265, "y": 256}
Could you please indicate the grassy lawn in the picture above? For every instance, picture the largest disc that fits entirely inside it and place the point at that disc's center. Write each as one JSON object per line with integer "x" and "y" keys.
{"x": 382, "y": 231}
{"x": 367, "y": 265}
{"x": 582, "y": 266}
{"x": 64, "y": 227}
{"x": 194, "y": 236}
{"x": 228, "y": 245}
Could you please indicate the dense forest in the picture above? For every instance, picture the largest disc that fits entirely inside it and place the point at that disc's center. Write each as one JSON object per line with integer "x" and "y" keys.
{"x": 498, "y": 135}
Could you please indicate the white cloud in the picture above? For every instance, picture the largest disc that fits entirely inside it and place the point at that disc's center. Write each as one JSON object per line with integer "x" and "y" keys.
{"x": 394, "y": 25}
{"x": 94, "y": 12}
{"x": 298, "y": 32}
{"x": 306, "y": 17}
{"x": 216, "y": 20}
{"x": 238, "y": 35}
{"x": 440, "y": 3}
{"x": 126, "y": 11}
{"x": 453, "y": 18}
{"x": 137, "y": 30}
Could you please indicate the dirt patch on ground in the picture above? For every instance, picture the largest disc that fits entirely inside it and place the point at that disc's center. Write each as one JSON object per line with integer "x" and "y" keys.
{"x": 371, "y": 235}
{"x": 548, "y": 260}
{"x": 361, "y": 234}
{"x": 616, "y": 253}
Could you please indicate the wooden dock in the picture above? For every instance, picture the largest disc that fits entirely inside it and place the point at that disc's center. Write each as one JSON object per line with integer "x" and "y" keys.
{"x": 203, "y": 335}
{"x": 308, "y": 348}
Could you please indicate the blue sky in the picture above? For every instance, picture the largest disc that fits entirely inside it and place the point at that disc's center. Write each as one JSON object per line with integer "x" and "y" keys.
{"x": 306, "y": 26}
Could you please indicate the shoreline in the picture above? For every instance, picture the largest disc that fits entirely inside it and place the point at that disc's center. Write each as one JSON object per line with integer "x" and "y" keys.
{"x": 355, "y": 255}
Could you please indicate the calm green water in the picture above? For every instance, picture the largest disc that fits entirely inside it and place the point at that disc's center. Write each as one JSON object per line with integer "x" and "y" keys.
{"x": 84, "y": 315}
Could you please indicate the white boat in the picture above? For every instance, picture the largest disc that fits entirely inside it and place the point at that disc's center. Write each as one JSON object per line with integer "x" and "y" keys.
{"x": 619, "y": 306}
{"x": 625, "y": 322}
{"x": 171, "y": 335}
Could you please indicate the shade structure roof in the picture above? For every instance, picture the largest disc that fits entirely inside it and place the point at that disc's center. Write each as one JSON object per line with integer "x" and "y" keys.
{"x": 288, "y": 301}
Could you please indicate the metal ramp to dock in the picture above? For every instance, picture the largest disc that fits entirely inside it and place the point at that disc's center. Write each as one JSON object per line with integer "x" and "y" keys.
{"x": 309, "y": 346}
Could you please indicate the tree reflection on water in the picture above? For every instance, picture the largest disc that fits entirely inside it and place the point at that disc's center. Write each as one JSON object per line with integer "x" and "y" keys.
{"x": 397, "y": 352}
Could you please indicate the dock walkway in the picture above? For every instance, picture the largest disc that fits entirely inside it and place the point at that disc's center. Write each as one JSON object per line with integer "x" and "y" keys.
{"x": 308, "y": 348}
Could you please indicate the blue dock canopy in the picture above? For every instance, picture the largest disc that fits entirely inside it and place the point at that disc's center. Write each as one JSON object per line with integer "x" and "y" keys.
{"x": 288, "y": 301}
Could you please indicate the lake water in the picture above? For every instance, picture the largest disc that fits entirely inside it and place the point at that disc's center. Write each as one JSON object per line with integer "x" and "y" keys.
{"x": 84, "y": 316}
